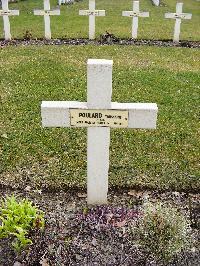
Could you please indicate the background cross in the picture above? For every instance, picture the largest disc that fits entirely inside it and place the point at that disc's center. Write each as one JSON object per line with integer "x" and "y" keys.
{"x": 135, "y": 14}
{"x": 5, "y": 12}
{"x": 178, "y": 16}
{"x": 46, "y": 13}
{"x": 92, "y": 13}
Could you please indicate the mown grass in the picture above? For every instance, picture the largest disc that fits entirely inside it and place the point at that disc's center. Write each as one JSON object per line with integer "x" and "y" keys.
{"x": 70, "y": 25}
{"x": 165, "y": 158}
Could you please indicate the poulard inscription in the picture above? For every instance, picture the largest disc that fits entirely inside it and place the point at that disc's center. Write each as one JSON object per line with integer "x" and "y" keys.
{"x": 98, "y": 118}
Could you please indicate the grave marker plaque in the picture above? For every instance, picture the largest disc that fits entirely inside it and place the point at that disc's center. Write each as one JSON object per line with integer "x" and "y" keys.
{"x": 98, "y": 109}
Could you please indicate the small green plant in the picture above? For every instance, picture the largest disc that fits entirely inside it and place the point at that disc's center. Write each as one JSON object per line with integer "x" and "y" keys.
{"x": 16, "y": 220}
{"x": 162, "y": 231}
{"x": 28, "y": 35}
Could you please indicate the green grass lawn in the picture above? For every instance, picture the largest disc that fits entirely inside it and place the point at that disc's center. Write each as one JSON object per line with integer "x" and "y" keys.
{"x": 70, "y": 25}
{"x": 165, "y": 158}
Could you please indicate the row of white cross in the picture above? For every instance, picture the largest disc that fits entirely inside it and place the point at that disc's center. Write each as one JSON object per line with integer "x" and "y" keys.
{"x": 92, "y": 13}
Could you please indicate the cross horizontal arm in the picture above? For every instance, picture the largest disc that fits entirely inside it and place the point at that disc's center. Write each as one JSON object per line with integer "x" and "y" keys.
{"x": 9, "y": 12}
{"x": 177, "y": 15}
{"x": 57, "y": 113}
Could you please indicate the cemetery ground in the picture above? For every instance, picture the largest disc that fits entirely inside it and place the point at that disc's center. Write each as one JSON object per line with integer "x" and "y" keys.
{"x": 76, "y": 234}
{"x": 166, "y": 158}
{"x": 70, "y": 25}
{"x": 48, "y": 166}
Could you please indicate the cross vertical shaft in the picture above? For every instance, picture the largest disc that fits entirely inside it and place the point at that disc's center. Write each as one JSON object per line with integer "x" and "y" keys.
{"x": 99, "y": 82}
{"x": 6, "y": 22}
{"x": 47, "y": 20}
{"x": 92, "y": 20}
{"x": 177, "y": 27}
{"x": 135, "y": 19}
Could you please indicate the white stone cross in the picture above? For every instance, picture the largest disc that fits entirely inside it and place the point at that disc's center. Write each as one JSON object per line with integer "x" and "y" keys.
{"x": 92, "y": 13}
{"x": 156, "y": 2}
{"x": 135, "y": 14}
{"x": 5, "y": 12}
{"x": 47, "y": 13}
{"x": 178, "y": 16}
{"x": 98, "y": 114}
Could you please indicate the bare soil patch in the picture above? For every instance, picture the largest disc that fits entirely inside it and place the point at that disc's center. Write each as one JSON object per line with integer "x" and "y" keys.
{"x": 106, "y": 39}
{"x": 77, "y": 235}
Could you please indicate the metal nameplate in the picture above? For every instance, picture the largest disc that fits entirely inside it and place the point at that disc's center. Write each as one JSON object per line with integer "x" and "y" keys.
{"x": 2, "y": 12}
{"x": 134, "y": 14}
{"x": 93, "y": 13}
{"x": 48, "y": 12}
{"x": 98, "y": 118}
{"x": 185, "y": 16}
